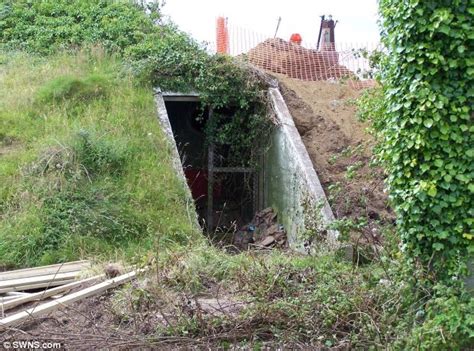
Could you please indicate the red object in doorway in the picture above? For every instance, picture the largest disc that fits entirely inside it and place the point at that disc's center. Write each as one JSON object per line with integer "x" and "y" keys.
{"x": 197, "y": 182}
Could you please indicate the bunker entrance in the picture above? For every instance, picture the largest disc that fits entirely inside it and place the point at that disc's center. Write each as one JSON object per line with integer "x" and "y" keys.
{"x": 226, "y": 197}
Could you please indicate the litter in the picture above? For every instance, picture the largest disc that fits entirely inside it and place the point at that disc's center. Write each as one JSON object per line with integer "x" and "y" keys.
{"x": 262, "y": 233}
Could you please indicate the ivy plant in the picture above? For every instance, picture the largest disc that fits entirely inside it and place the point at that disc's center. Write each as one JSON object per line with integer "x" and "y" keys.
{"x": 424, "y": 121}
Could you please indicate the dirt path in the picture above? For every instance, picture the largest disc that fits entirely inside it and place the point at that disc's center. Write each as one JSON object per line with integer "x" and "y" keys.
{"x": 340, "y": 148}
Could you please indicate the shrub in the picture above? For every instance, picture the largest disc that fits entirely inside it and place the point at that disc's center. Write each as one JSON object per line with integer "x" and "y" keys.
{"x": 448, "y": 324}
{"x": 48, "y": 25}
{"x": 422, "y": 117}
{"x": 427, "y": 145}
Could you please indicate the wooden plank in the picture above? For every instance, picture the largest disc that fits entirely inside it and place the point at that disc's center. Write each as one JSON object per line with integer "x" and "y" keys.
{"x": 38, "y": 279}
{"x": 44, "y": 270}
{"x": 46, "y": 293}
{"x": 18, "y": 318}
{"x": 17, "y": 293}
{"x": 6, "y": 298}
{"x": 48, "y": 284}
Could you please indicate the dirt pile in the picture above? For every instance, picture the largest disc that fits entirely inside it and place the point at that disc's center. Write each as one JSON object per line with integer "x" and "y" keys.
{"x": 340, "y": 149}
{"x": 279, "y": 56}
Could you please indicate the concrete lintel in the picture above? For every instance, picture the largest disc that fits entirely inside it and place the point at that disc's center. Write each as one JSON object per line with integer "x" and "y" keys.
{"x": 178, "y": 96}
{"x": 301, "y": 157}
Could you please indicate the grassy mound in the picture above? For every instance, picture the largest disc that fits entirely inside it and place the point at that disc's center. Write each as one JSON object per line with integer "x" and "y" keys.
{"x": 66, "y": 88}
{"x": 85, "y": 169}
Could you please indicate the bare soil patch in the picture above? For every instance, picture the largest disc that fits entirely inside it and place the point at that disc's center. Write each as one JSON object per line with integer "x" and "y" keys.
{"x": 339, "y": 147}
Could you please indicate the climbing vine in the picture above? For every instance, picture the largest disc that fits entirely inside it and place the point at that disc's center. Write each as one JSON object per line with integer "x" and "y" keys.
{"x": 157, "y": 52}
{"x": 423, "y": 116}
{"x": 235, "y": 93}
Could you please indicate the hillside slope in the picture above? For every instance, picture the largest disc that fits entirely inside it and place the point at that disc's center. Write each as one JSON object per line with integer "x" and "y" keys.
{"x": 85, "y": 169}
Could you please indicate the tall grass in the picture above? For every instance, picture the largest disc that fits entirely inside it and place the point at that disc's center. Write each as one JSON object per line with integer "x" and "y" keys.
{"x": 85, "y": 170}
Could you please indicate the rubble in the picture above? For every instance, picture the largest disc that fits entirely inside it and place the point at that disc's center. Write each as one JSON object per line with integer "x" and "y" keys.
{"x": 263, "y": 232}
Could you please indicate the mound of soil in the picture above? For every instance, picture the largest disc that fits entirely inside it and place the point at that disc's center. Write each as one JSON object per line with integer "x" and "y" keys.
{"x": 339, "y": 147}
{"x": 279, "y": 56}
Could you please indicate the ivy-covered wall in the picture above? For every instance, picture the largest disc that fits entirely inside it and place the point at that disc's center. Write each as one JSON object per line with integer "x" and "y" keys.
{"x": 427, "y": 131}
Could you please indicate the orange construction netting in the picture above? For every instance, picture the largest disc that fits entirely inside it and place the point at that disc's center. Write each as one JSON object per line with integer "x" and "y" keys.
{"x": 305, "y": 62}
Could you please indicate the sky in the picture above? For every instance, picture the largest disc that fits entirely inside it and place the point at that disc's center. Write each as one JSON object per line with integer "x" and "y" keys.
{"x": 357, "y": 19}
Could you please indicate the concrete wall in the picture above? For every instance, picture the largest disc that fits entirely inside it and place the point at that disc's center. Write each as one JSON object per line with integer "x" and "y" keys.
{"x": 164, "y": 121}
{"x": 291, "y": 185}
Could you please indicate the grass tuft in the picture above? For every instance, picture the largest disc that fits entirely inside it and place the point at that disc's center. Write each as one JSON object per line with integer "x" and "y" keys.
{"x": 98, "y": 156}
{"x": 70, "y": 87}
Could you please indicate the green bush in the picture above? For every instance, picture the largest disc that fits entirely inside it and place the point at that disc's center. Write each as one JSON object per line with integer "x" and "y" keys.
{"x": 449, "y": 322}
{"x": 422, "y": 117}
{"x": 48, "y": 25}
{"x": 428, "y": 139}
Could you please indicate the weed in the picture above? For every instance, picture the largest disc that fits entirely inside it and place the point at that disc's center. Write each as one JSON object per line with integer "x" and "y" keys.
{"x": 334, "y": 191}
{"x": 284, "y": 299}
{"x": 353, "y": 168}
{"x": 353, "y": 150}
{"x": 332, "y": 160}
{"x": 99, "y": 156}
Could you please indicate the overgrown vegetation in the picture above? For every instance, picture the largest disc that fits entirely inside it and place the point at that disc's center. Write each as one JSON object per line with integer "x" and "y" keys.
{"x": 422, "y": 117}
{"x": 428, "y": 134}
{"x": 156, "y": 52}
{"x": 86, "y": 171}
{"x": 319, "y": 301}
{"x": 198, "y": 296}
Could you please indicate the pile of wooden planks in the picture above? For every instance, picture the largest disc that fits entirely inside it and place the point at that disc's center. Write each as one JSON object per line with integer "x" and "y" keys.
{"x": 41, "y": 277}
{"x": 58, "y": 281}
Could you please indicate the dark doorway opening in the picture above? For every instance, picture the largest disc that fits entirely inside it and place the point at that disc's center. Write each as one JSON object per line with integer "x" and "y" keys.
{"x": 226, "y": 197}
